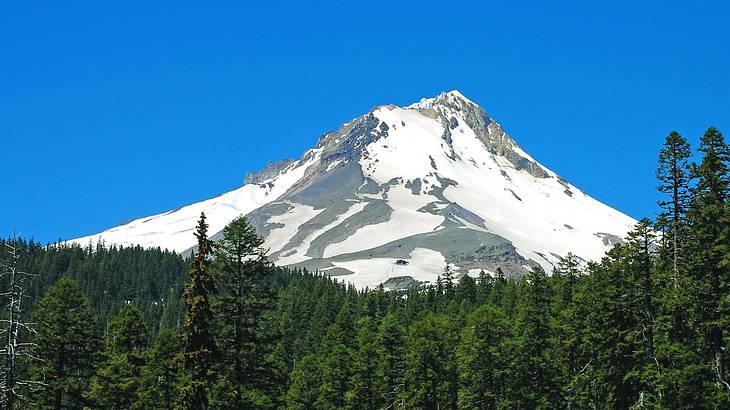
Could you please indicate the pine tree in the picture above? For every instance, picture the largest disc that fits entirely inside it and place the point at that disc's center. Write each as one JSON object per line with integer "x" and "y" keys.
{"x": 306, "y": 379}
{"x": 69, "y": 341}
{"x": 431, "y": 372}
{"x": 364, "y": 392}
{"x": 391, "y": 340}
{"x": 242, "y": 303}
{"x": 199, "y": 353}
{"x": 483, "y": 360}
{"x": 159, "y": 376}
{"x": 709, "y": 273}
{"x": 117, "y": 382}
{"x": 336, "y": 355}
{"x": 533, "y": 360}
{"x": 674, "y": 178}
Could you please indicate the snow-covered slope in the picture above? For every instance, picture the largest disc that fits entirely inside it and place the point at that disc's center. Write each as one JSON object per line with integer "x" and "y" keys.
{"x": 404, "y": 191}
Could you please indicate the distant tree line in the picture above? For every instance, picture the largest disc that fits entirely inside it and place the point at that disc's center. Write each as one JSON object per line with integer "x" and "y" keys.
{"x": 646, "y": 327}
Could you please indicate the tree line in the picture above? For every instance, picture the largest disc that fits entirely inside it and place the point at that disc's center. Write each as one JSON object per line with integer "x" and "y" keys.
{"x": 645, "y": 327}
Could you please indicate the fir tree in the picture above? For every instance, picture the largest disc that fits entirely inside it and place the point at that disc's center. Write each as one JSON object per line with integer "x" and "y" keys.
{"x": 431, "y": 373}
{"x": 391, "y": 340}
{"x": 536, "y": 370}
{"x": 159, "y": 376}
{"x": 306, "y": 379}
{"x": 241, "y": 305}
{"x": 674, "y": 178}
{"x": 117, "y": 382}
{"x": 69, "y": 341}
{"x": 364, "y": 392}
{"x": 483, "y": 359}
{"x": 199, "y": 353}
{"x": 337, "y": 355}
{"x": 707, "y": 244}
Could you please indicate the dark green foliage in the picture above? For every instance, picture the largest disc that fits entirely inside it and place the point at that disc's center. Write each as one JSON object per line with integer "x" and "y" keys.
{"x": 533, "y": 362}
{"x": 674, "y": 178}
{"x": 200, "y": 352}
{"x": 646, "y": 327}
{"x": 392, "y": 363}
{"x": 483, "y": 358}
{"x": 431, "y": 371}
{"x": 117, "y": 381}
{"x": 69, "y": 342}
{"x": 159, "y": 376}
{"x": 248, "y": 378}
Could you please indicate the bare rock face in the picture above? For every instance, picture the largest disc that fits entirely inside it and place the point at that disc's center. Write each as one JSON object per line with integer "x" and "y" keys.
{"x": 495, "y": 139}
{"x": 271, "y": 170}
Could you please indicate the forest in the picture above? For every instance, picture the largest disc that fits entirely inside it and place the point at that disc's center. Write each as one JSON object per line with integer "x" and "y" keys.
{"x": 130, "y": 328}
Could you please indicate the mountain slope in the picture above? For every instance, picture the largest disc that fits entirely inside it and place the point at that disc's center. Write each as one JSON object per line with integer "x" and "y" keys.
{"x": 404, "y": 191}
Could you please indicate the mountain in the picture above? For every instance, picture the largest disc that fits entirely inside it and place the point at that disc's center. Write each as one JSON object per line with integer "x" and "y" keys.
{"x": 402, "y": 192}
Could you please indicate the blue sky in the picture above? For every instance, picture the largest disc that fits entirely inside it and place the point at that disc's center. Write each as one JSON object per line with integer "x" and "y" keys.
{"x": 111, "y": 112}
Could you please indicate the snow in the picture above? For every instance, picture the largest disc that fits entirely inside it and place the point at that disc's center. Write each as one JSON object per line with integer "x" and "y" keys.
{"x": 533, "y": 224}
{"x": 297, "y": 215}
{"x": 173, "y": 230}
{"x": 486, "y": 185}
{"x": 474, "y": 273}
{"x": 405, "y": 221}
{"x": 423, "y": 265}
{"x": 299, "y": 253}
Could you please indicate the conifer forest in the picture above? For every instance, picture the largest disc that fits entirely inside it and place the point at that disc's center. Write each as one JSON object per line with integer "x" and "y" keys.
{"x": 647, "y": 327}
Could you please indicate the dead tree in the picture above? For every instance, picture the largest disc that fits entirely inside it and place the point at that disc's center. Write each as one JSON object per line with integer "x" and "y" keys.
{"x": 14, "y": 329}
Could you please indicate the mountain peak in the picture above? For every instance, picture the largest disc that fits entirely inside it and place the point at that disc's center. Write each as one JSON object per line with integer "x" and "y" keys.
{"x": 403, "y": 192}
{"x": 455, "y": 95}
{"x": 444, "y": 98}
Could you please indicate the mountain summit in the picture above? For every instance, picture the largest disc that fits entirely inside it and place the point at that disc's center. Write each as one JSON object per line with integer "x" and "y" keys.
{"x": 403, "y": 192}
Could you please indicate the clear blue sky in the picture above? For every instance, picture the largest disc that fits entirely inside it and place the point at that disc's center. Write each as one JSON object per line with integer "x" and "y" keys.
{"x": 111, "y": 112}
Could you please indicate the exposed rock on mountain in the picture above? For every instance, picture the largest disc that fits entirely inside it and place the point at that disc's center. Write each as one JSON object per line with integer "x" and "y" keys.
{"x": 399, "y": 193}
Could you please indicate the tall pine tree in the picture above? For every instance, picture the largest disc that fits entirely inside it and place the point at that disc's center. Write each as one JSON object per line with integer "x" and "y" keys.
{"x": 247, "y": 376}
{"x": 69, "y": 341}
{"x": 707, "y": 245}
{"x": 199, "y": 353}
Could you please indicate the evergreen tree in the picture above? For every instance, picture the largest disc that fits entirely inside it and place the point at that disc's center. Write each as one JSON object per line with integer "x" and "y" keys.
{"x": 199, "y": 352}
{"x": 640, "y": 262}
{"x": 336, "y": 352}
{"x": 448, "y": 282}
{"x": 568, "y": 318}
{"x": 611, "y": 326}
{"x": 431, "y": 372}
{"x": 674, "y": 178}
{"x": 159, "y": 376}
{"x": 708, "y": 247}
{"x": 117, "y": 382}
{"x": 483, "y": 360}
{"x": 69, "y": 341}
{"x": 498, "y": 288}
{"x": 306, "y": 379}
{"x": 391, "y": 340}
{"x": 484, "y": 286}
{"x": 467, "y": 290}
{"x": 364, "y": 392}
{"x": 533, "y": 360}
{"x": 243, "y": 301}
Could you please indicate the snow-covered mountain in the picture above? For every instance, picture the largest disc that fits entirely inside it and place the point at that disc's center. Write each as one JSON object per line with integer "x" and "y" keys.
{"x": 401, "y": 192}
